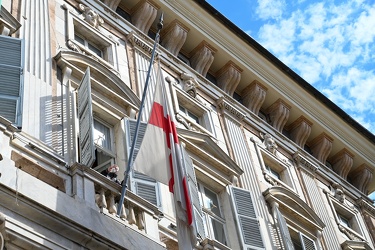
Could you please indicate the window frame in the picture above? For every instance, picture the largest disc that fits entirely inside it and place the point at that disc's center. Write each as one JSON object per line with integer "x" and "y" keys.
{"x": 208, "y": 215}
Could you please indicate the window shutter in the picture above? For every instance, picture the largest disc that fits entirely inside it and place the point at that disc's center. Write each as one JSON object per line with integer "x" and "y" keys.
{"x": 284, "y": 231}
{"x": 193, "y": 188}
{"x": 130, "y": 125}
{"x": 146, "y": 187}
{"x": 86, "y": 121}
{"x": 11, "y": 80}
{"x": 307, "y": 243}
{"x": 247, "y": 221}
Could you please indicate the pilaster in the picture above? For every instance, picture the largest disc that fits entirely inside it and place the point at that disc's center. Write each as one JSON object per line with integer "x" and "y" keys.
{"x": 228, "y": 77}
{"x": 279, "y": 114}
{"x": 321, "y": 147}
{"x": 174, "y": 37}
{"x": 300, "y": 130}
{"x": 202, "y": 57}
{"x": 253, "y": 96}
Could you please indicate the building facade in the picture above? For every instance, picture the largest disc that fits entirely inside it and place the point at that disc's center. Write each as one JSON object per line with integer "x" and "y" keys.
{"x": 275, "y": 164}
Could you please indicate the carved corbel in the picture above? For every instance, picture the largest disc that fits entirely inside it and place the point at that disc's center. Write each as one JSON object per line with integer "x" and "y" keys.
{"x": 342, "y": 162}
{"x": 174, "y": 37}
{"x": 279, "y": 114}
{"x": 321, "y": 147}
{"x": 253, "y": 96}
{"x": 144, "y": 14}
{"x": 300, "y": 130}
{"x": 361, "y": 178}
{"x": 228, "y": 77}
{"x": 202, "y": 57}
{"x": 190, "y": 84}
{"x": 112, "y": 4}
{"x": 91, "y": 16}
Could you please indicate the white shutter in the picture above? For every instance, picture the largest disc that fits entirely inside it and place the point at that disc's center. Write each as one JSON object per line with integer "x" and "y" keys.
{"x": 11, "y": 70}
{"x": 307, "y": 243}
{"x": 130, "y": 125}
{"x": 193, "y": 188}
{"x": 146, "y": 187}
{"x": 284, "y": 231}
{"x": 247, "y": 221}
{"x": 86, "y": 121}
{"x": 143, "y": 185}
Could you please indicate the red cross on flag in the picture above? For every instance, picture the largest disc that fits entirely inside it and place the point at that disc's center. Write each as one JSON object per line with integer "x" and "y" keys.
{"x": 161, "y": 158}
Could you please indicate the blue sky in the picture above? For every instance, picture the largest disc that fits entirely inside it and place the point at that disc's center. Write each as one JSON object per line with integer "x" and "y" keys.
{"x": 331, "y": 44}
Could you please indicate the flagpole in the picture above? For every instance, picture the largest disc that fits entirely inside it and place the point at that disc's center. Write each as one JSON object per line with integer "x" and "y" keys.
{"x": 131, "y": 154}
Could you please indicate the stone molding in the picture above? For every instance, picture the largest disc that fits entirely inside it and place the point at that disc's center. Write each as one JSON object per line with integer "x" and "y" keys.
{"x": 302, "y": 161}
{"x": 279, "y": 114}
{"x": 228, "y": 77}
{"x": 139, "y": 43}
{"x": 229, "y": 108}
{"x": 253, "y": 96}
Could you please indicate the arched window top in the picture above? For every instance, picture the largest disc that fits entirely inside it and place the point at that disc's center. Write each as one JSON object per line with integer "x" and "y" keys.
{"x": 294, "y": 207}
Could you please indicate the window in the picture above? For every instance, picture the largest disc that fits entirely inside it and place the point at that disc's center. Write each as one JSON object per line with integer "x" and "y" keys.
{"x": 88, "y": 45}
{"x": 301, "y": 241}
{"x": 272, "y": 172}
{"x": 192, "y": 117}
{"x": 105, "y": 156}
{"x": 214, "y": 223}
{"x": 11, "y": 80}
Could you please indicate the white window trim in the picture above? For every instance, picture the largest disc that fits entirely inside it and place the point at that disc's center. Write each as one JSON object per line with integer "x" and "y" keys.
{"x": 355, "y": 231}
{"x": 109, "y": 58}
{"x": 281, "y": 167}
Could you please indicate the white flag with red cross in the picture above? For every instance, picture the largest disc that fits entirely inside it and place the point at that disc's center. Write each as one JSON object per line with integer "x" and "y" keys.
{"x": 160, "y": 156}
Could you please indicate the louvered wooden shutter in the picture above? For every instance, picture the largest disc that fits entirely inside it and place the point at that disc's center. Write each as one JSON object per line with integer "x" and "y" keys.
{"x": 130, "y": 125}
{"x": 86, "y": 121}
{"x": 247, "y": 221}
{"x": 193, "y": 188}
{"x": 11, "y": 80}
{"x": 146, "y": 187}
{"x": 307, "y": 243}
{"x": 143, "y": 185}
{"x": 284, "y": 231}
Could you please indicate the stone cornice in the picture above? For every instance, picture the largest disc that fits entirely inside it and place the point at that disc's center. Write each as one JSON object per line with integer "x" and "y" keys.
{"x": 229, "y": 108}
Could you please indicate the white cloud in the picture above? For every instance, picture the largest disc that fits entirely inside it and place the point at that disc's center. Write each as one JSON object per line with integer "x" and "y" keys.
{"x": 270, "y": 9}
{"x": 331, "y": 46}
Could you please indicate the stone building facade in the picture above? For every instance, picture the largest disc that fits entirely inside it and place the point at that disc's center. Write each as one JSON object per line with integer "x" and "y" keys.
{"x": 276, "y": 164}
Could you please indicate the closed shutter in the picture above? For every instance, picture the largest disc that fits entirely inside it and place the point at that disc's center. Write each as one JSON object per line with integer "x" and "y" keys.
{"x": 193, "y": 188}
{"x": 284, "y": 231}
{"x": 146, "y": 187}
{"x": 143, "y": 185}
{"x": 11, "y": 80}
{"x": 307, "y": 243}
{"x": 247, "y": 221}
{"x": 86, "y": 121}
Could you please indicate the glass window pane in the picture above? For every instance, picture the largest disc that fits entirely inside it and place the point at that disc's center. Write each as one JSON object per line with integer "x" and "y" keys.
{"x": 95, "y": 50}
{"x": 79, "y": 39}
{"x": 211, "y": 202}
{"x": 218, "y": 230}
{"x": 102, "y": 135}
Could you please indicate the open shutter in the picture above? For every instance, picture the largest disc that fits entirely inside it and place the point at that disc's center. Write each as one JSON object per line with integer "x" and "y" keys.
{"x": 287, "y": 240}
{"x": 193, "y": 188}
{"x": 130, "y": 125}
{"x": 307, "y": 243}
{"x": 86, "y": 121}
{"x": 247, "y": 221}
{"x": 11, "y": 70}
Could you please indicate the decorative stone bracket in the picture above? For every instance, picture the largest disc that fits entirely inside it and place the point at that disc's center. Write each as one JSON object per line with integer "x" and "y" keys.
{"x": 279, "y": 114}
{"x": 91, "y": 16}
{"x": 253, "y": 96}
{"x": 202, "y": 57}
{"x": 228, "y": 77}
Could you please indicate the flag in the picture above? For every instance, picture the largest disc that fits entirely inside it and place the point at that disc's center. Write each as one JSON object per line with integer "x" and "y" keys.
{"x": 160, "y": 157}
